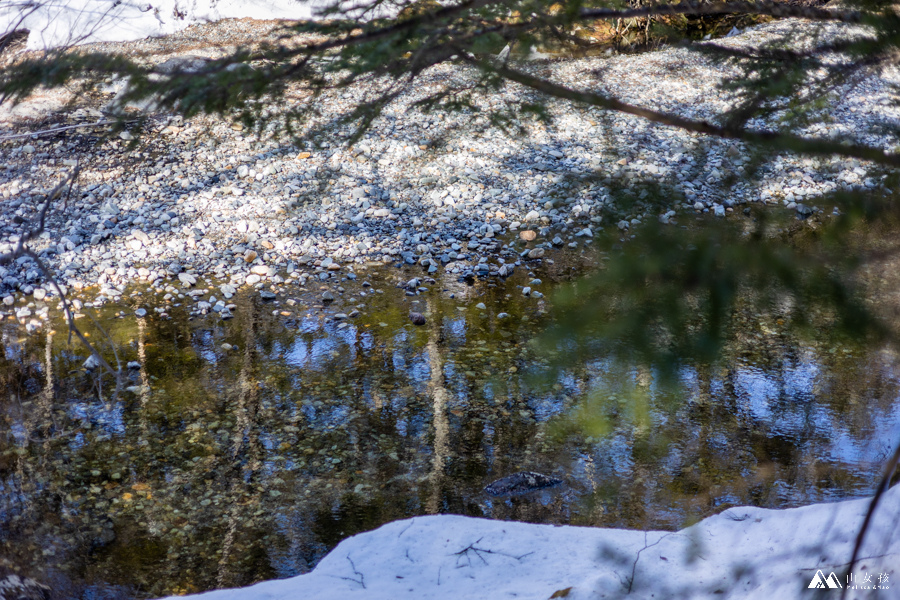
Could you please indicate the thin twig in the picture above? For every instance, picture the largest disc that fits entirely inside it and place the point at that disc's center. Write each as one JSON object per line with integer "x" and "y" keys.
{"x": 479, "y": 551}
{"x": 638, "y": 557}
{"x": 882, "y": 488}
{"x": 66, "y": 307}
{"x": 58, "y": 129}
{"x": 362, "y": 578}
{"x": 34, "y": 231}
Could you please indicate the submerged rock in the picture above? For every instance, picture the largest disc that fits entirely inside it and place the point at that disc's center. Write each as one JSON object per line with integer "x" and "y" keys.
{"x": 13, "y": 587}
{"x": 521, "y": 483}
{"x": 417, "y": 318}
{"x": 92, "y": 362}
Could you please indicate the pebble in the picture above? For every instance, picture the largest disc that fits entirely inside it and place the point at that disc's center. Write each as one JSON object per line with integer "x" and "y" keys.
{"x": 141, "y": 312}
{"x": 251, "y": 203}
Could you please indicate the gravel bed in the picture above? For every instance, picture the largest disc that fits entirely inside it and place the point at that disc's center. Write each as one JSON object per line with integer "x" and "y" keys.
{"x": 204, "y": 199}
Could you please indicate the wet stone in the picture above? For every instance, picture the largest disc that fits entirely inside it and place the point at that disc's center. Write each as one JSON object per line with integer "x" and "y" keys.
{"x": 520, "y": 483}
{"x": 15, "y": 587}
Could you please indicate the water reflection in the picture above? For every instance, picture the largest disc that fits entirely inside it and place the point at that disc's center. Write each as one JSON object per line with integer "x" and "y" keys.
{"x": 246, "y": 449}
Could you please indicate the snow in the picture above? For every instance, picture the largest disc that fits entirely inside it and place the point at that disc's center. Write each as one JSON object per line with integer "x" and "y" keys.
{"x": 54, "y": 23}
{"x": 742, "y": 553}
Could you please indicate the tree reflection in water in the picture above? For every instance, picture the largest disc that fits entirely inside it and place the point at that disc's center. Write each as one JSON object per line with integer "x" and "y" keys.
{"x": 224, "y": 467}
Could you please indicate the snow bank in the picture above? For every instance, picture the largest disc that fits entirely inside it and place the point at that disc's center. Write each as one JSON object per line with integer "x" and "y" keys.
{"x": 742, "y": 553}
{"x": 54, "y": 23}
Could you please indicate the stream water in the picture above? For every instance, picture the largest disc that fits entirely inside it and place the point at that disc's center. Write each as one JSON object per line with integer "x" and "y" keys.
{"x": 246, "y": 449}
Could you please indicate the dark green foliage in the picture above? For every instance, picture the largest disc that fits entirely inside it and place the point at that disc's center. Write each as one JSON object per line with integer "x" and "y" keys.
{"x": 669, "y": 299}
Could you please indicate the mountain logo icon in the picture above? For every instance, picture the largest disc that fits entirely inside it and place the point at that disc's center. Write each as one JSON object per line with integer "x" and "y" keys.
{"x": 820, "y": 582}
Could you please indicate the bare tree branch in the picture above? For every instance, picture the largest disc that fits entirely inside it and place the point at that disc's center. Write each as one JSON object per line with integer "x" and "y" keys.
{"x": 768, "y": 8}
{"x": 786, "y": 141}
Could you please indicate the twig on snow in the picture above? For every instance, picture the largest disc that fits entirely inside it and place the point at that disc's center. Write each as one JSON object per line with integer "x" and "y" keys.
{"x": 479, "y": 552}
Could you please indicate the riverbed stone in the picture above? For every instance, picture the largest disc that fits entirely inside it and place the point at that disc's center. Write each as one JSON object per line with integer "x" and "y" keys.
{"x": 215, "y": 212}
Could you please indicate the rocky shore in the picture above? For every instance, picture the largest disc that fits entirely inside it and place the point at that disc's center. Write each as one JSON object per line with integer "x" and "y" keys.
{"x": 205, "y": 208}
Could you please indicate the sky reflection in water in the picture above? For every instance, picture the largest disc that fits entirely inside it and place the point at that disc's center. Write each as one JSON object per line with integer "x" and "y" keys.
{"x": 252, "y": 463}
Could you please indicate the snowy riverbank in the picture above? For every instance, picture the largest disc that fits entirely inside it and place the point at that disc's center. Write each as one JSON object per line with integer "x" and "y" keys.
{"x": 743, "y": 553}
{"x": 66, "y": 22}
